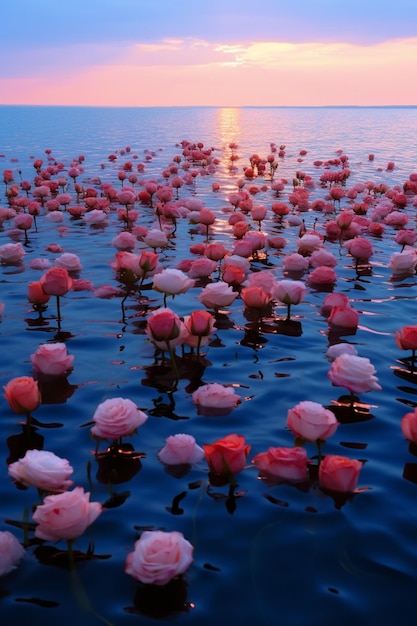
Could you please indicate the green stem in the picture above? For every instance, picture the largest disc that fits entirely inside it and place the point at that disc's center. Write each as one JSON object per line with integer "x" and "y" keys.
{"x": 173, "y": 361}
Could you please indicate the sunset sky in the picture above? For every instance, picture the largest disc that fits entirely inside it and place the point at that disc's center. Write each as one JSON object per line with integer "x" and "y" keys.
{"x": 217, "y": 53}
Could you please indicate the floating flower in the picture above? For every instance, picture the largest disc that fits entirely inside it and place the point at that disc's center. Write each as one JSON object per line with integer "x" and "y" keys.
{"x": 52, "y": 359}
{"x": 283, "y": 463}
{"x": 22, "y": 394}
{"x": 11, "y": 552}
{"x": 227, "y": 456}
{"x": 180, "y": 449}
{"x": 215, "y": 399}
{"x": 409, "y": 426}
{"x": 117, "y": 417}
{"x": 311, "y": 421}
{"x": 42, "y": 469}
{"x": 65, "y": 515}
{"x": 159, "y": 556}
{"x": 339, "y": 473}
{"x": 217, "y": 295}
{"x": 354, "y": 373}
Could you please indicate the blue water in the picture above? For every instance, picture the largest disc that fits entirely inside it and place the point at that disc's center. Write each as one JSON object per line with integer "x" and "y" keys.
{"x": 285, "y": 555}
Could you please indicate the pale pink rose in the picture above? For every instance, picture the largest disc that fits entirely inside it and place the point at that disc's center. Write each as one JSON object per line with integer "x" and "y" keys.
{"x": 65, "y": 515}
{"x": 82, "y": 284}
{"x": 409, "y": 426}
{"x": 52, "y": 359}
{"x": 289, "y": 291}
{"x": 55, "y": 217}
{"x": 164, "y": 328}
{"x": 96, "y": 216}
{"x": 334, "y": 299}
{"x": 155, "y": 238}
{"x": 406, "y": 237}
{"x": 340, "y": 348}
{"x": 24, "y": 221}
{"x": 295, "y": 263}
{"x": 343, "y": 317}
{"x": 309, "y": 243}
{"x": 202, "y": 268}
{"x": 159, "y": 556}
{"x": 256, "y": 239}
{"x": 311, "y": 421}
{"x": 396, "y": 218}
{"x": 216, "y": 295}
{"x": 181, "y": 449}
{"x": 43, "y": 470}
{"x": 117, "y": 417}
{"x": 11, "y": 552}
{"x": 354, "y": 373}
{"x": 283, "y": 463}
{"x": 339, "y": 473}
{"x": 39, "y": 264}
{"x": 216, "y": 399}
{"x": 172, "y": 282}
{"x": 242, "y": 248}
{"x": 108, "y": 291}
{"x": 69, "y": 261}
{"x": 402, "y": 263}
{"x": 11, "y": 253}
{"x": 124, "y": 241}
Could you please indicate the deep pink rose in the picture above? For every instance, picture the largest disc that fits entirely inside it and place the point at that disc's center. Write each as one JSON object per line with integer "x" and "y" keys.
{"x": 409, "y": 426}
{"x": 117, "y": 417}
{"x": 199, "y": 325}
{"x": 22, "y": 394}
{"x": 56, "y": 281}
{"x": 228, "y": 455}
{"x": 339, "y": 473}
{"x": 343, "y": 317}
{"x": 406, "y": 338}
{"x": 65, "y": 515}
{"x": 359, "y": 248}
{"x": 52, "y": 359}
{"x": 159, "y": 556}
{"x": 11, "y": 552}
{"x": 180, "y": 449}
{"x": 36, "y": 294}
{"x": 42, "y": 469}
{"x": 283, "y": 463}
{"x": 165, "y": 327}
{"x": 255, "y": 297}
{"x": 311, "y": 421}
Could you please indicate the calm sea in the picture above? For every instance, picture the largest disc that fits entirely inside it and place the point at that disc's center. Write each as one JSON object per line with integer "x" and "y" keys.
{"x": 284, "y": 555}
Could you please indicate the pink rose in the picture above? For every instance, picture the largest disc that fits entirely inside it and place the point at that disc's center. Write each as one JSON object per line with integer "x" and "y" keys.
{"x": 354, "y": 373}
{"x": 402, "y": 263}
{"x": 56, "y": 281}
{"x": 339, "y": 473}
{"x": 308, "y": 243}
{"x": 283, "y": 463}
{"x": 340, "y": 348}
{"x": 215, "y": 399}
{"x": 181, "y": 449}
{"x": 359, "y": 248}
{"x": 23, "y": 221}
{"x": 262, "y": 279}
{"x": 155, "y": 238}
{"x": 216, "y": 295}
{"x": 65, "y": 515}
{"x": 255, "y": 297}
{"x": 323, "y": 258}
{"x": 11, "y": 552}
{"x": 202, "y": 268}
{"x": 343, "y": 317}
{"x": 227, "y": 456}
{"x": 52, "y": 359}
{"x": 322, "y": 275}
{"x": 214, "y": 251}
{"x": 42, "y": 469}
{"x": 199, "y": 325}
{"x": 22, "y": 394}
{"x": 159, "y": 556}
{"x": 164, "y": 328}
{"x": 172, "y": 282}
{"x": 409, "y": 426}
{"x": 311, "y": 421}
{"x": 117, "y": 417}
{"x": 295, "y": 263}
